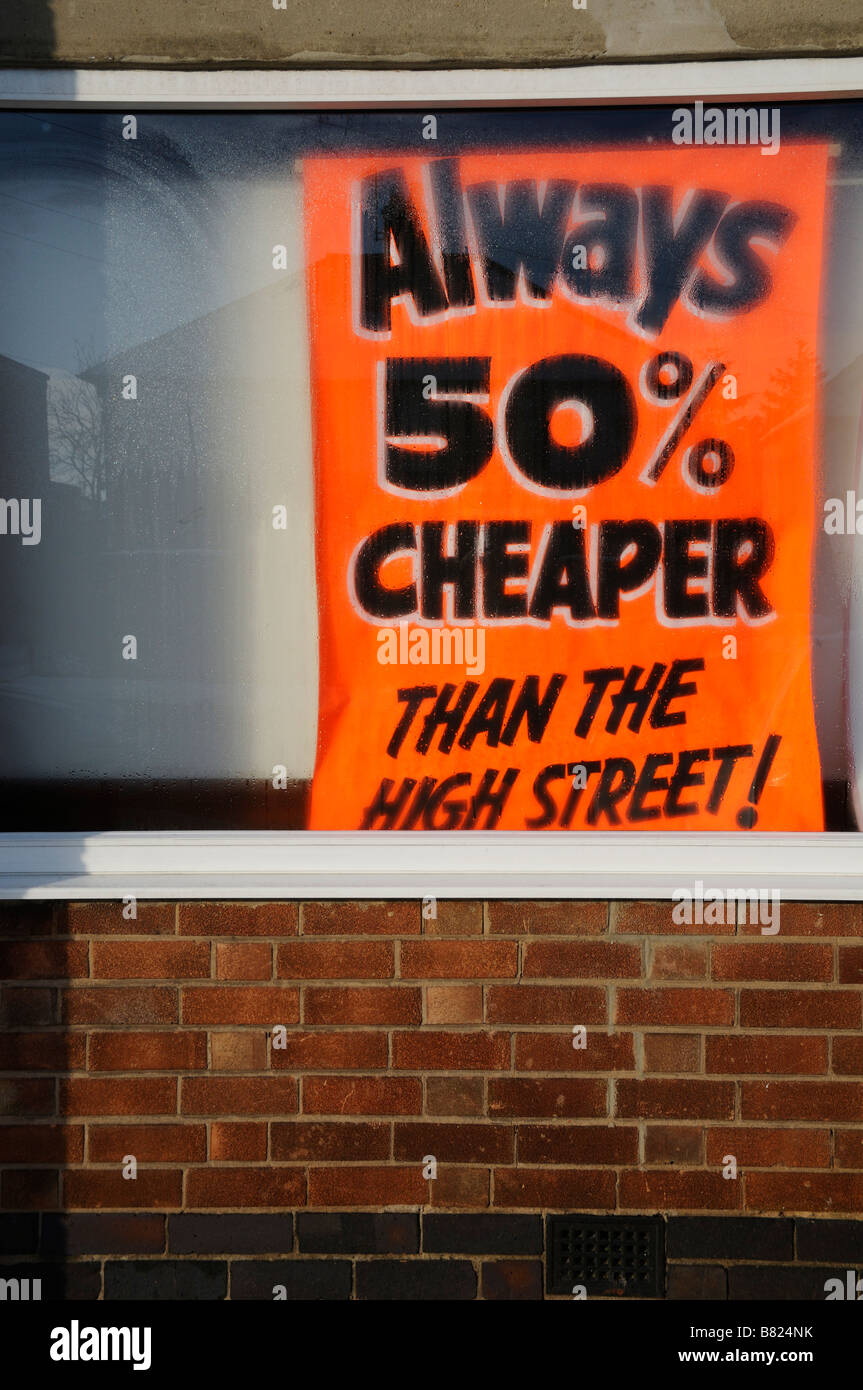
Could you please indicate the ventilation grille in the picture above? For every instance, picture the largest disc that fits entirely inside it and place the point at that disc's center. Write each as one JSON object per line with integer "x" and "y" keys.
{"x": 607, "y": 1255}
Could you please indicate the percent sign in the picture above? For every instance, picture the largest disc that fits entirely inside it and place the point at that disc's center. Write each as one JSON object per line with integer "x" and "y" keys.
{"x": 666, "y": 378}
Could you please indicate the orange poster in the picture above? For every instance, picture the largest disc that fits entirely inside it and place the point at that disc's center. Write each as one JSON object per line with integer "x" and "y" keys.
{"x": 565, "y": 412}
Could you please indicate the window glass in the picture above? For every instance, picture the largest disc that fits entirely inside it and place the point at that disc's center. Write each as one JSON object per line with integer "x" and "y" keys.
{"x": 458, "y": 470}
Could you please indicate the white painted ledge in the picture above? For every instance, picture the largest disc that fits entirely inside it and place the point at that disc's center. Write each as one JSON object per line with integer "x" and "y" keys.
{"x": 728, "y": 79}
{"x": 532, "y": 864}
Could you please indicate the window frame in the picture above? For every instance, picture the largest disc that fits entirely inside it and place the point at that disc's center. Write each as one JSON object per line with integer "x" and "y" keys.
{"x": 261, "y": 865}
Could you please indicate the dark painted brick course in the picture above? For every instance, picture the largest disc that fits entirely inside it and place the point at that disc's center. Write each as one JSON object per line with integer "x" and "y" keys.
{"x": 484, "y": 1234}
{"x": 829, "y": 1240}
{"x": 358, "y": 1233}
{"x": 166, "y": 1279}
{"x": 19, "y": 1233}
{"x": 301, "y": 1279}
{"x": 415, "y": 1279}
{"x": 697, "y": 1282}
{"x": 779, "y": 1282}
{"x": 512, "y": 1280}
{"x": 729, "y": 1238}
{"x": 60, "y": 1281}
{"x": 229, "y": 1233}
{"x": 103, "y": 1233}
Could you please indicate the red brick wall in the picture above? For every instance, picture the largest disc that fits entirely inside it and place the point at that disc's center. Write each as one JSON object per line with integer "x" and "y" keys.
{"x": 449, "y": 1036}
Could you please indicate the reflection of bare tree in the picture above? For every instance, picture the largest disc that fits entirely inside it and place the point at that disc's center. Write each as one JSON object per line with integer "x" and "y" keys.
{"x": 76, "y": 432}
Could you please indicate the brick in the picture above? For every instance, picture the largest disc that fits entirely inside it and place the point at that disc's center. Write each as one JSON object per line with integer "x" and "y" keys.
{"x": 126, "y": 1005}
{"x": 672, "y": 1052}
{"x": 27, "y": 919}
{"x": 545, "y": 1004}
{"x": 241, "y": 1141}
{"x": 678, "y": 1144}
{"x": 738, "y": 1055}
{"x": 536, "y": 1096}
{"x": 268, "y": 1004}
{"x": 511, "y": 1280}
{"x": 31, "y": 1189}
{"x": 106, "y": 1187}
{"x": 305, "y": 1280}
{"x": 697, "y": 1282}
{"x": 164, "y": 1143}
{"x": 580, "y": 960}
{"x": 362, "y": 1095}
{"x": 774, "y": 960}
{"x": 60, "y": 1051}
{"x": 802, "y": 1100}
{"x": 654, "y": 918}
{"x": 453, "y": 1004}
{"x": 26, "y": 1097}
{"x": 847, "y": 1056}
{"x": 457, "y": 1186}
{"x": 247, "y": 1095}
{"x": 455, "y": 917}
{"x": 151, "y": 960}
{"x": 849, "y": 1149}
{"x": 209, "y": 919}
{"x": 147, "y": 1051}
{"x": 245, "y": 1051}
{"x": 818, "y": 919}
{"x": 194, "y": 1233}
{"x": 663, "y": 1189}
{"x": 323, "y": 1142}
{"x": 362, "y": 918}
{"x": 368, "y": 1004}
{"x": 41, "y": 1144}
{"x": 459, "y": 960}
{"x": 245, "y": 1187}
{"x": 152, "y": 1280}
{"x": 673, "y": 961}
{"x": 485, "y": 1234}
{"x": 830, "y": 1240}
{"x": 358, "y": 1233}
{"x": 247, "y": 960}
{"x": 569, "y": 1144}
{"x": 804, "y": 1192}
{"x": 454, "y": 1095}
{"x": 770, "y": 1148}
{"x": 382, "y": 1186}
{"x": 19, "y": 1231}
{"x": 74, "y": 1281}
{"x": 555, "y": 1052}
{"x": 427, "y": 1051}
{"x": 850, "y": 964}
{"x": 675, "y": 1099}
{"x": 106, "y": 919}
{"x": 103, "y": 1233}
{"x": 776, "y": 1283}
{"x": 675, "y": 1006}
{"x": 27, "y": 1006}
{"x": 335, "y": 960}
{"x": 454, "y": 1143}
{"x": 799, "y": 1008}
{"x": 565, "y": 918}
{"x": 97, "y": 1095}
{"x": 728, "y": 1238}
{"x": 323, "y": 1050}
{"x": 44, "y": 960}
{"x": 416, "y": 1280}
{"x": 581, "y": 1189}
